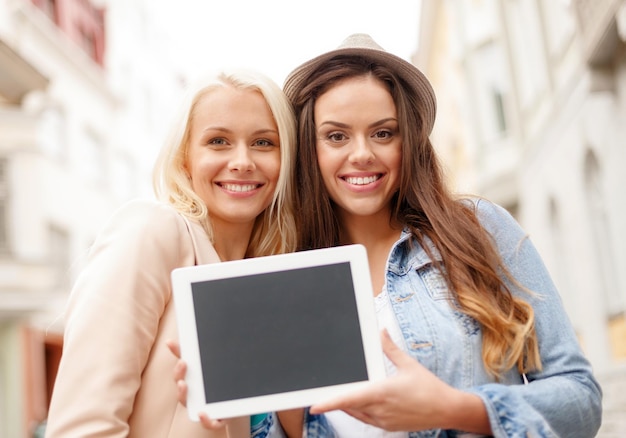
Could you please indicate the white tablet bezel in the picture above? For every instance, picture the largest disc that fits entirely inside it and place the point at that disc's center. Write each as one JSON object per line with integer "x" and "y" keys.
{"x": 182, "y": 280}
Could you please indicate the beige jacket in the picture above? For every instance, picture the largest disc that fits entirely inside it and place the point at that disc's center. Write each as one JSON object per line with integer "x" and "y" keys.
{"x": 115, "y": 377}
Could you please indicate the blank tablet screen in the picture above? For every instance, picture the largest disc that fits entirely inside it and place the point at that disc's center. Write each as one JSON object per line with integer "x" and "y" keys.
{"x": 278, "y": 332}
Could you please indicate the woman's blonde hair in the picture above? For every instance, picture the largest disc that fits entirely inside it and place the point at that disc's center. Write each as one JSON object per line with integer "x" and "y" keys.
{"x": 274, "y": 230}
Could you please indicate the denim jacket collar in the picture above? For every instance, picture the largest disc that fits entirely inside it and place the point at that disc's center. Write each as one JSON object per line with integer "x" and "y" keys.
{"x": 407, "y": 254}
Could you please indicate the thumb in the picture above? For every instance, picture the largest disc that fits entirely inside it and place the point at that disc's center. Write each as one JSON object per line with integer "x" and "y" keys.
{"x": 395, "y": 354}
{"x": 174, "y": 347}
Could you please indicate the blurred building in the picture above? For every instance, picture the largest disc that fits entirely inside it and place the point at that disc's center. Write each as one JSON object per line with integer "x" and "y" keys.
{"x": 532, "y": 112}
{"x": 532, "y": 104}
{"x": 85, "y": 90}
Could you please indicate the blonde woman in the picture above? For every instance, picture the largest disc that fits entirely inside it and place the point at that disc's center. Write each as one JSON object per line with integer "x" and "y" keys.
{"x": 223, "y": 184}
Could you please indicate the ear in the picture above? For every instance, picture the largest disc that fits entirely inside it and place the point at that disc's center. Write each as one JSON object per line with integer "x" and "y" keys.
{"x": 186, "y": 171}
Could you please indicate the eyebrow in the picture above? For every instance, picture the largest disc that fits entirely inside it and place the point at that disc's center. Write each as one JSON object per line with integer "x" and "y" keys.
{"x": 371, "y": 125}
{"x": 229, "y": 131}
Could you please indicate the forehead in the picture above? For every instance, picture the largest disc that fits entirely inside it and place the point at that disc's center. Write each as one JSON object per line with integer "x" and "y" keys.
{"x": 230, "y": 111}
{"x": 356, "y": 94}
{"x": 227, "y": 96}
{"x": 243, "y": 106}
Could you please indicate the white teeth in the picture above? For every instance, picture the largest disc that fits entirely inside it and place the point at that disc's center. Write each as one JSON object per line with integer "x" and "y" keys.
{"x": 239, "y": 187}
{"x": 360, "y": 181}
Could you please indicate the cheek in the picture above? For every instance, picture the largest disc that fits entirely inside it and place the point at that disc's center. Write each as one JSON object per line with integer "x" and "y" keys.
{"x": 397, "y": 164}
{"x": 395, "y": 160}
{"x": 201, "y": 173}
{"x": 197, "y": 171}
{"x": 396, "y": 172}
{"x": 324, "y": 162}
{"x": 272, "y": 167}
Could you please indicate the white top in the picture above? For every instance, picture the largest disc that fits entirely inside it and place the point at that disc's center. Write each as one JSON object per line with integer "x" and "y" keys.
{"x": 349, "y": 427}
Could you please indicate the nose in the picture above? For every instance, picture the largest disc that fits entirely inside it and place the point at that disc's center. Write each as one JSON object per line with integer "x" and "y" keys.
{"x": 241, "y": 159}
{"x": 361, "y": 152}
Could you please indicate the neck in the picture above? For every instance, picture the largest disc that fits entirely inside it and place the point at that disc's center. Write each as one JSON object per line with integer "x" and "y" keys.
{"x": 378, "y": 234}
{"x": 231, "y": 240}
{"x": 374, "y": 231}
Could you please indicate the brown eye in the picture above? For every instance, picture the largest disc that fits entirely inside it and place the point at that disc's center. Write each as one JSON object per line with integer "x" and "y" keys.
{"x": 336, "y": 136}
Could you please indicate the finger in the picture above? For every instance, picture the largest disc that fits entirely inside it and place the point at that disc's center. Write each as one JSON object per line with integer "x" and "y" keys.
{"x": 352, "y": 400}
{"x": 181, "y": 392}
{"x": 211, "y": 424}
{"x": 174, "y": 348}
{"x": 180, "y": 370}
{"x": 393, "y": 352}
{"x": 327, "y": 406}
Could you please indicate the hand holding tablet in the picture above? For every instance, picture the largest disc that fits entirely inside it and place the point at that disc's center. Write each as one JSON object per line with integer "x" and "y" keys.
{"x": 277, "y": 332}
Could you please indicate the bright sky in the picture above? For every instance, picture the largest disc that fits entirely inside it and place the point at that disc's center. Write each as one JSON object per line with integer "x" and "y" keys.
{"x": 274, "y": 36}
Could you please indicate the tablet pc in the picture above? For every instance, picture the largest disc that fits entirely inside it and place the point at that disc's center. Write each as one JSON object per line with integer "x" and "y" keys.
{"x": 276, "y": 332}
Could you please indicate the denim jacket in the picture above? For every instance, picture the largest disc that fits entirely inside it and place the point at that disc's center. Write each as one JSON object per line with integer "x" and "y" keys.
{"x": 561, "y": 400}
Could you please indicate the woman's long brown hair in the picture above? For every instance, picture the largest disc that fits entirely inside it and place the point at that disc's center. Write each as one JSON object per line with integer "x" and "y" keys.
{"x": 470, "y": 262}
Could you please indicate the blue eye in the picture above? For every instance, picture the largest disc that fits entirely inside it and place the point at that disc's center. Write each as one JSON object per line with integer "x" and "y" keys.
{"x": 217, "y": 141}
{"x": 264, "y": 143}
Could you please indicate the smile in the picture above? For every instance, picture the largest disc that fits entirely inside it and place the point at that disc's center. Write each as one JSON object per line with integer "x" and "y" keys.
{"x": 361, "y": 181}
{"x": 239, "y": 187}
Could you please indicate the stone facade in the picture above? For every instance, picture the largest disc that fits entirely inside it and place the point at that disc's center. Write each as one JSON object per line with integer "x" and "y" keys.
{"x": 532, "y": 103}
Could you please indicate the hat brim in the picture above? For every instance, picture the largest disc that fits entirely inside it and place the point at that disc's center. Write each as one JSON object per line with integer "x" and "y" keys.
{"x": 406, "y": 71}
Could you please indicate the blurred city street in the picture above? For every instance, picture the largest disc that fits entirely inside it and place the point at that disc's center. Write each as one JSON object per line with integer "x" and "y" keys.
{"x": 531, "y": 101}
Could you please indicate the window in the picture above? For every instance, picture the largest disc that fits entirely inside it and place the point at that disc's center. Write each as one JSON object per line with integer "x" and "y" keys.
{"x": 52, "y": 133}
{"x": 48, "y": 7}
{"x": 559, "y": 25}
{"x": 53, "y": 350}
{"x": 601, "y": 234}
{"x": 480, "y": 20}
{"x": 498, "y": 102}
{"x": 59, "y": 254}
{"x": 4, "y": 195}
{"x": 92, "y": 157}
{"x": 513, "y": 209}
{"x": 88, "y": 43}
{"x": 559, "y": 265}
{"x": 493, "y": 90}
{"x": 527, "y": 51}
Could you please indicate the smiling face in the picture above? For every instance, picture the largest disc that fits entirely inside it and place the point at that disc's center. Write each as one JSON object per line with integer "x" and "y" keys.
{"x": 233, "y": 157}
{"x": 359, "y": 146}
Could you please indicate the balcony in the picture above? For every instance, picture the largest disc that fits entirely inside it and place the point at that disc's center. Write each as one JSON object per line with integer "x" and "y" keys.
{"x": 17, "y": 76}
{"x": 599, "y": 23}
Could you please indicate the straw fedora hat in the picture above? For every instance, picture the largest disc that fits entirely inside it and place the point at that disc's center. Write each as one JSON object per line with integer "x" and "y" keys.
{"x": 362, "y": 45}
